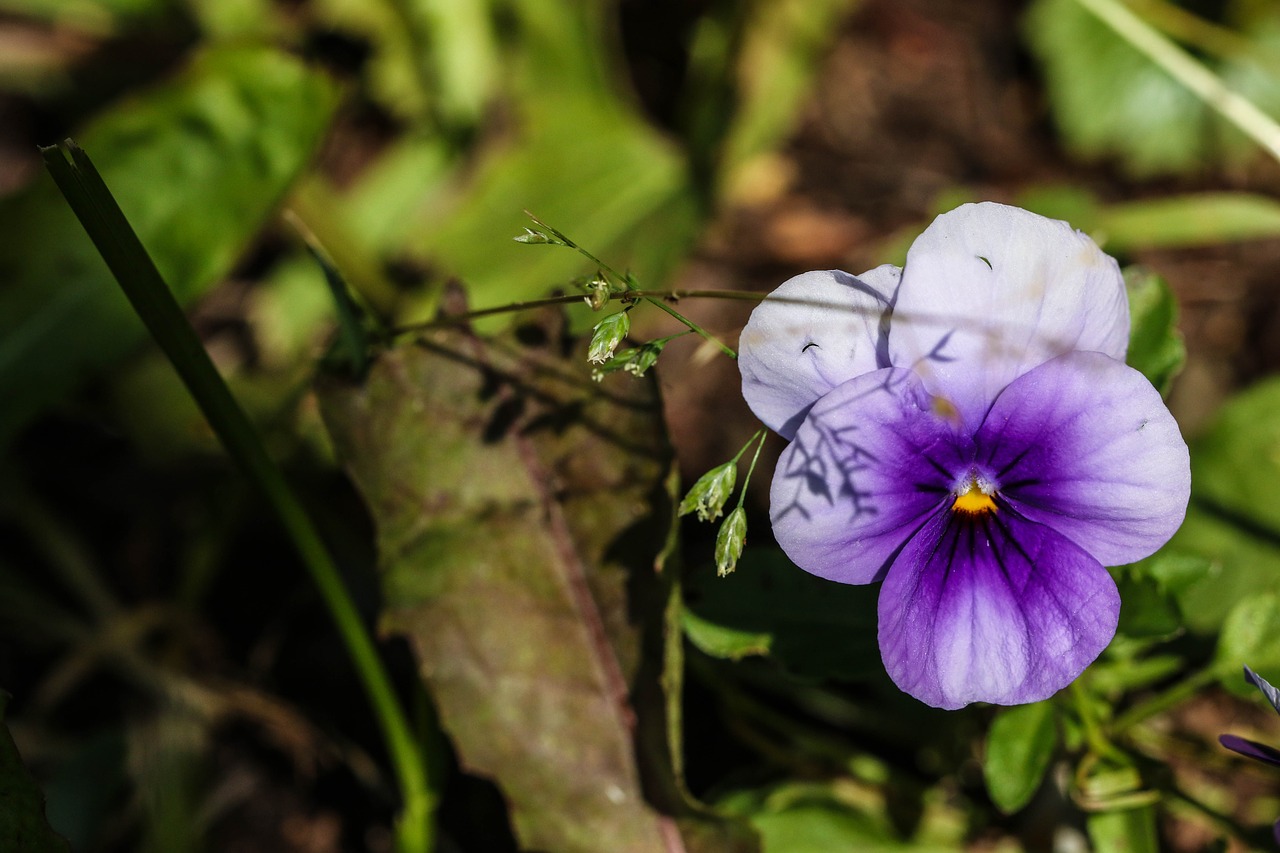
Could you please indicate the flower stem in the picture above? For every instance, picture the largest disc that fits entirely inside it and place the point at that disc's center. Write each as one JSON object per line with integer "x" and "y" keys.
{"x": 1181, "y": 66}
{"x": 456, "y": 319}
{"x": 693, "y": 327}
{"x": 1175, "y": 695}
{"x": 629, "y": 286}
{"x": 1093, "y": 733}
{"x": 761, "y": 435}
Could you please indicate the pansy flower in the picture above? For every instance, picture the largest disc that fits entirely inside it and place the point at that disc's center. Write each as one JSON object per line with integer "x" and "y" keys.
{"x": 965, "y": 431}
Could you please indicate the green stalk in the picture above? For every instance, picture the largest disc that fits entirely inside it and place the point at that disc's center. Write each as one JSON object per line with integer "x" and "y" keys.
{"x": 556, "y": 237}
{"x": 1170, "y": 698}
{"x": 751, "y": 469}
{"x": 457, "y": 319}
{"x": 1181, "y": 66}
{"x": 154, "y": 303}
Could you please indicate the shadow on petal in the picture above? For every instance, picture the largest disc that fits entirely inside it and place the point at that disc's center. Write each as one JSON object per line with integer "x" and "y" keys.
{"x": 992, "y": 608}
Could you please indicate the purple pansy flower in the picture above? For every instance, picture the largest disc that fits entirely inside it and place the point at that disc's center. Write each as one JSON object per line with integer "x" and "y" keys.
{"x": 1253, "y": 749}
{"x": 966, "y": 431}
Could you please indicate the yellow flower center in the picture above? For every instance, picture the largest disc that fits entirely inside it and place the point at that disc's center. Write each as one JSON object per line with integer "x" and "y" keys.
{"x": 974, "y": 502}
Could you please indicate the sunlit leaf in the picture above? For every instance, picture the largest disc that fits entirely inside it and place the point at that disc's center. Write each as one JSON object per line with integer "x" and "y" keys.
{"x": 196, "y": 164}
{"x": 512, "y": 498}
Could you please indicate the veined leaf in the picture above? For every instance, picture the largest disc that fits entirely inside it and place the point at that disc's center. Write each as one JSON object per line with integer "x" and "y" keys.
{"x": 513, "y": 502}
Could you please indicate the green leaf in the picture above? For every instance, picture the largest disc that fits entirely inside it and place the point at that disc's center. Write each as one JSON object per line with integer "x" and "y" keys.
{"x": 798, "y": 817}
{"x": 1241, "y": 563}
{"x": 580, "y": 156}
{"x": 197, "y": 164}
{"x": 1121, "y": 810}
{"x": 811, "y": 626}
{"x": 23, "y": 827}
{"x": 1020, "y": 744}
{"x": 1125, "y": 830}
{"x": 1234, "y": 518}
{"x": 1200, "y": 219}
{"x": 512, "y": 499}
{"x": 1112, "y": 102}
{"x": 1155, "y": 344}
{"x": 1151, "y": 590}
{"x": 1250, "y": 636}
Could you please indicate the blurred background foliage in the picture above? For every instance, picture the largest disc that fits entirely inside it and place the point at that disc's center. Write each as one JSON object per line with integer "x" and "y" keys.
{"x": 176, "y": 683}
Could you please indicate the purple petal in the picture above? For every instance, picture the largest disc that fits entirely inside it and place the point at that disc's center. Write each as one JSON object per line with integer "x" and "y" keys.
{"x": 1251, "y": 749}
{"x": 994, "y": 609}
{"x": 814, "y": 332}
{"x": 869, "y": 464}
{"x": 1273, "y": 695}
{"x": 1085, "y": 445}
{"x": 989, "y": 292}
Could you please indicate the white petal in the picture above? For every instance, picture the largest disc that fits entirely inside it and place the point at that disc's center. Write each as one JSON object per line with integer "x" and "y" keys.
{"x": 816, "y": 331}
{"x": 990, "y": 292}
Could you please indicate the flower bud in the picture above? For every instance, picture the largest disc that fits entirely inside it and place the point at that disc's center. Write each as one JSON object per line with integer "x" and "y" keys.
{"x": 708, "y": 496}
{"x": 598, "y": 293}
{"x": 729, "y": 542}
{"x": 609, "y": 332}
{"x": 535, "y": 237}
{"x": 645, "y": 357}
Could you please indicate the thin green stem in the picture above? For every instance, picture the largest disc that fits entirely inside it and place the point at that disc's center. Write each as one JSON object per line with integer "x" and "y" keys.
{"x": 629, "y": 286}
{"x": 693, "y": 327}
{"x": 751, "y": 469}
{"x": 1099, "y": 744}
{"x": 1181, "y": 66}
{"x": 154, "y": 303}
{"x": 754, "y": 437}
{"x": 1170, "y": 698}
{"x": 675, "y": 295}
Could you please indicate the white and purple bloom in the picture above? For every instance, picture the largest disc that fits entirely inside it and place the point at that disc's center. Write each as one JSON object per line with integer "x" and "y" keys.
{"x": 965, "y": 430}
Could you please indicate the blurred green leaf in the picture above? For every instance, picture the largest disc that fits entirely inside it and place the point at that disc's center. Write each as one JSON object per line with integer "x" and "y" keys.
{"x": 1020, "y": 744}
{"x": 579, "y": 156}
{"x": 1236, "y": 464}
{"x": 1234, "y": 518}
{"x": 512, "y": 501}
{"x": 1155, "y": 344}
{"x": 1151, "y": 591}
{"x": 811, "y": 626}
{"x": 588, "y": 167}
{"x": 811, "y": 818}
{"x": 1121, "y": 672}
{"x": 23, "y": 827}
{"x": 92, "y": 15}
{"x": 1200, "y": 219}
{"x": 1111, "y": 101}
{"x": 1131, "y": 830}
{"x": 1250, "y": 637}
{"x": 197, "y": 164}
{"x": 751, "y": 66}
{"x": 1240, "y": 563}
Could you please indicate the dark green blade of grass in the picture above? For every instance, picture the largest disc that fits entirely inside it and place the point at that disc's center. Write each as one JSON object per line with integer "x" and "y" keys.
{"x": 155, "y": 305}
